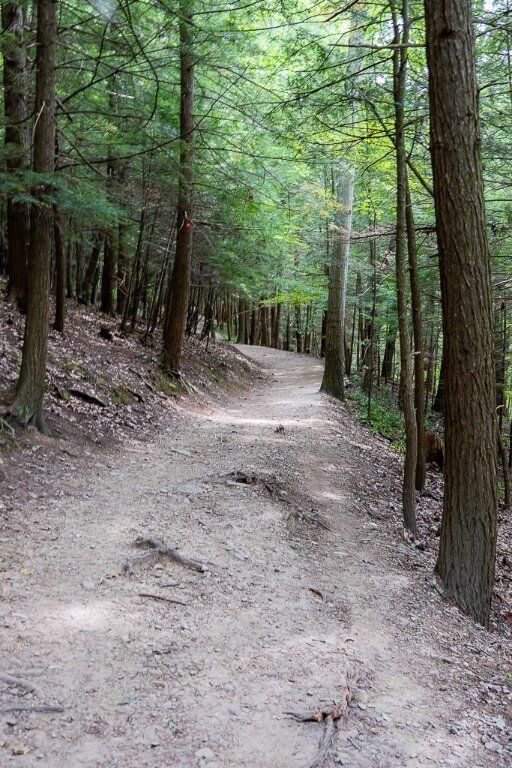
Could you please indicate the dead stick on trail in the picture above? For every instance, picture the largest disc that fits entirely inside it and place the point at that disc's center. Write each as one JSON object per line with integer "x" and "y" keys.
{"x": 160, "y": 597}
{"x": 325, "y": 744}
{"x": 159, "y": 551}
{"x": 18, "y": 682}
{"x": 42, "y": 708}
{"x": 328, "y": 716}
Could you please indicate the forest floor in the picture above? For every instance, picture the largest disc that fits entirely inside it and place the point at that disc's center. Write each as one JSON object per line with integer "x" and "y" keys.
{"x": 311, "y": 588}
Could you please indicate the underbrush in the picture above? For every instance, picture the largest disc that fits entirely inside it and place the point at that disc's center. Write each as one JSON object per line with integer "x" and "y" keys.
{"x": 384, "y": 417}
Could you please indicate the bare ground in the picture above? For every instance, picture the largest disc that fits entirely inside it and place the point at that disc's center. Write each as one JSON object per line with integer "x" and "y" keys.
{"x": 310, "y": 583}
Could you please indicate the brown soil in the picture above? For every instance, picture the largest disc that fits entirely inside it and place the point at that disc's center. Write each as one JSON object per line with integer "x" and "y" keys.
{"x": 310, "y": 581}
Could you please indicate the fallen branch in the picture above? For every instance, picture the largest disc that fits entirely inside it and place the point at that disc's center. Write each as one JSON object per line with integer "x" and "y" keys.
{"x": 17, "y": 682}
{"x": 136, "y": 395}
{"x": 328, "y": 716}
{"x": 325, "y": 744}
{"x": 6, "y": 427}
{"x": 160, "y": 597}
{"x": 159, "y": 551}
{"x": 42, "y": 708}
{"x": 87, "y": 397}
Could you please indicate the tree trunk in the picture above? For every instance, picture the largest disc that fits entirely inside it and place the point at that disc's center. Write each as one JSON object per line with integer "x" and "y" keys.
{"x": 332, "y": 381}
{"x": 28, "y": 404}
{"x": 242, "y": 321}
{"x": 438, "y": 404}
{"x": 61, "y": 269}
{"x": 419, "y": 365}
{"x": 389, "y": 353}
{"x": 401, "y": 37}
{"x": 467, "y": 546}
{"x": 177, "y": 317}
{"x": 121, "y": 269}
{"x": 15, "y": 114}
{"x": 86, "y": 288}
{"x": 263, "y": 327}
{"x": 108, "y": 275}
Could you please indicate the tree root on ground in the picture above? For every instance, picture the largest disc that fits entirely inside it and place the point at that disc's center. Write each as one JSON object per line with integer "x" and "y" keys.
{"x": 328, "y": 716}
{"x": 18, "y": 682}
{"x": 158, "y": 551}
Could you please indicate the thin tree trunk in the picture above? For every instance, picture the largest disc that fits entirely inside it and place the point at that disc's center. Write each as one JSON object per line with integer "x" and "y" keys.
{"x": 438, "y": 404}
{"x": 60, "y": 268}
{"x": 467, "y": 547}
{"x": 401, "y": 37}
{"x": 419, "y": 365}
{"x": 242, "y": 321}
{"x": 121, "y": 269}
{"x": 28, "y": 404}
{"x": 86, "y": 287}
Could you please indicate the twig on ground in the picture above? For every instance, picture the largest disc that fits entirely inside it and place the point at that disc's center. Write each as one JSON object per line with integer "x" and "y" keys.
{"x": 328, "y": 716}
{"x": 4, "y": 425}
{"x": 160, "y": 597}
{"x": 325, "y": 744}
{"x": 159, "y": 551}
{"x": 42, "y": 708}
{"x": 316, "y": 591}
{"x": 18, "y": 682}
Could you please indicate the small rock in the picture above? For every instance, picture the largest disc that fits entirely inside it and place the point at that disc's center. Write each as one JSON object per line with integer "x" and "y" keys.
{"x": 19, "y": 749}
{"x": 493, "y": 746}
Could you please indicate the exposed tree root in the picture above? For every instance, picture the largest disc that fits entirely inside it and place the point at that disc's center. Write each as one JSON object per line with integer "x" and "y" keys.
{"x": 18, "y": 682}
{"x": 41, "y": 708}
{"x": 312, "y": 518}
{"x": 161, "y": 598}
{"x": 5, "y": 426}
{"x": 325, "y": 744}
{"x": 328, "y": 716}
{"x": 159, "y": 551}
{"x": 92, "y": 399}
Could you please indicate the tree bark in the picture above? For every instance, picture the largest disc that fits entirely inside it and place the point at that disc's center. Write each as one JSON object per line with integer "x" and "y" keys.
{"x": 419, "y": 365}
{"x": 401, "y": 37}
{"x": 333, "y": 378}
{"x": 173, "y": 340}
{"x": 15, "y": 115}
{"x": 60, "y": 270}
{"x": 86, "y": 287}
{"x": 467, "y": 546}
{"x": 438, "y": 404}
{"x": 28, "y": 404}
{"x": 242, "y": 321}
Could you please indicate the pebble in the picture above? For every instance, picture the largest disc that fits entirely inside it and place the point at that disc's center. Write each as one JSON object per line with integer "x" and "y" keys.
{"x": 493, "y": 746}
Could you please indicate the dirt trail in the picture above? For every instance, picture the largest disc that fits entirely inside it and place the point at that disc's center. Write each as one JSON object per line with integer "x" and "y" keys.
{"x": 148, "y": 683}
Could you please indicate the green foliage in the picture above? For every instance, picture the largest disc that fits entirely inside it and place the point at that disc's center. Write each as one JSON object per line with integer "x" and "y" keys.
{"x": 385, "y": 417}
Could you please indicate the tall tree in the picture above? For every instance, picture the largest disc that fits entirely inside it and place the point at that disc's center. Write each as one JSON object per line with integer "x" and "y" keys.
{"x": 15, "y": 113}
{"x": 333, "y": 378}
{"x": 401, "y": 40}
{"x": 468, "y": 533}
{"x": 28, "y": 404}
{"x": 180, "y": 286}
{"x": 417, "y": 325}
